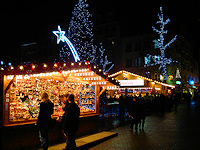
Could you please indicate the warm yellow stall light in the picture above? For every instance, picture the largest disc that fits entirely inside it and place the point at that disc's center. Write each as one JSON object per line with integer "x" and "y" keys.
{"x": 45, "y": 65}
{"x": 21, "y": 67}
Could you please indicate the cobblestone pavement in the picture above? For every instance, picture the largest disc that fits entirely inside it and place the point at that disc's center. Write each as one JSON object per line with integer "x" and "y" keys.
{"x": 174, "y": 131}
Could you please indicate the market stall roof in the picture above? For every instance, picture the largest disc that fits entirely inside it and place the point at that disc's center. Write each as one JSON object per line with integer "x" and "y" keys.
{"x": 71, "y": 72}
{"x": 114, "y": 75}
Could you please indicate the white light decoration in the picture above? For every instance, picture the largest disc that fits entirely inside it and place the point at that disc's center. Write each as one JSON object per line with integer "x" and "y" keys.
{"x": 178, "y": 75}
{"x": 61, "y": 37}
{"x": 161, "y": 60}
{"x": 103, "y": 60}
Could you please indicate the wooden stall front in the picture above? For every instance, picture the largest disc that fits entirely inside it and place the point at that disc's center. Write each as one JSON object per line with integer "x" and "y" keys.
{"x": 22, "y": 89}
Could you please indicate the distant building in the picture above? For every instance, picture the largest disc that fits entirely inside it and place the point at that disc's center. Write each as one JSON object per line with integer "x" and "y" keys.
{"x": 128, "y": 38}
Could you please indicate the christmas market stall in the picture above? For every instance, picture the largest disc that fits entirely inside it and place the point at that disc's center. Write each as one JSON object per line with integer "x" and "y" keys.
{"x": 131, "y": 83}
{"x": 24, "y": 84}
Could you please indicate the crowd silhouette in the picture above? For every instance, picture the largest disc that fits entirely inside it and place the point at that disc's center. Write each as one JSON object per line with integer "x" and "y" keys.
{"x": 135, "y": 108}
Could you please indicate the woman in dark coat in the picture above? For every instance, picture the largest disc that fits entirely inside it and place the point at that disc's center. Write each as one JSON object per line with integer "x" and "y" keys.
{"x": 44, "y": 120}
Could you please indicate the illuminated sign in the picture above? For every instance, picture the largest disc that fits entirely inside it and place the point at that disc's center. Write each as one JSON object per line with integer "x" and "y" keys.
{"x": 61, "y": 37}
{"x": 178, "y": 82}
{"x": 131, "y": 82}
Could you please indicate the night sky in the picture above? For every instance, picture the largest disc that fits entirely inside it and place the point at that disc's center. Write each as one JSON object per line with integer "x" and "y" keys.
{"x": 22, "y": 21}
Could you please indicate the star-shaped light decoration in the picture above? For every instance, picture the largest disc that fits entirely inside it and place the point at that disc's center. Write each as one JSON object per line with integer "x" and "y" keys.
{"x": 61, "y": 37}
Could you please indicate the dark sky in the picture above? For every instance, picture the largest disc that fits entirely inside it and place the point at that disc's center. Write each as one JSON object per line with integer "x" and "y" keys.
{"x": 22, "y": 21}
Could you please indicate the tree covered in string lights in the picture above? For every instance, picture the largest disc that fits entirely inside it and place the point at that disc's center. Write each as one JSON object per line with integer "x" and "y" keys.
{"x": 80, "y": 34}
{"x": 159, "y": 43}
{"x": 102, "y": 60}
{"x": 80, "y": 31}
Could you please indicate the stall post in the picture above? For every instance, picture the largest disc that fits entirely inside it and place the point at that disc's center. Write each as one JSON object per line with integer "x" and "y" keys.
{"x": 1, "y": 108}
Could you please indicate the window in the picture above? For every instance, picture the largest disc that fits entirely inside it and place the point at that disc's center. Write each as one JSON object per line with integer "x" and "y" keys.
{"x": 109, "y": 16}
{"x": 129, "y": 62}
{"x": 147, "y": 45}
{"x": 128, "y": 47}
{"x": 138, "y": 62}
{"x": 196, "y": 79}
{"x": 98, "y": 19}
{"x": 138, "y": 46}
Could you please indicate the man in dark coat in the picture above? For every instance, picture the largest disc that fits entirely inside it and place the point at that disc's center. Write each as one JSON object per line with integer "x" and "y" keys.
{"x": 71, "y": 123}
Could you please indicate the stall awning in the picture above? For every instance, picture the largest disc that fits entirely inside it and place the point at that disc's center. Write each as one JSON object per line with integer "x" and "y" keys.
{"x": 70, "y": 72}
{"x": 124, "y": 77}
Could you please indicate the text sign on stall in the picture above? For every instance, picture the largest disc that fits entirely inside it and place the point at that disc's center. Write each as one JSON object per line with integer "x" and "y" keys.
{"x": 131, "y": 82}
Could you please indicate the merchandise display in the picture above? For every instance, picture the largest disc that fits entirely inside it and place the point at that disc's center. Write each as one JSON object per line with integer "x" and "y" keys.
{"x": 25, "y": 92}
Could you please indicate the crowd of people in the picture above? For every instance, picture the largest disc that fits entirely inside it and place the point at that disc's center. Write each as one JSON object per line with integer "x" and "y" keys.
{"x": 136, "y": 107}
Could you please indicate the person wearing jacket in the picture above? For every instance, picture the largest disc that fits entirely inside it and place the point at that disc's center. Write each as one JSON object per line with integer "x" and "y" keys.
{"x": 44, "y": 119}
{"x": 71, "y": 123}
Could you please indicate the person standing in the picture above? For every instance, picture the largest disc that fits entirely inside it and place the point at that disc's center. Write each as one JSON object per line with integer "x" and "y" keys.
{"x": 44, "y": 120}
{"x": 122, "y": 109}
{"x": 142, "y": 113}
{"x": 64, "y": 107}
{"x": 188, "y": 99}
{"x": 133, "y": 113}
{"x": 71, "y": 123}
{"x": 162, "y": 104}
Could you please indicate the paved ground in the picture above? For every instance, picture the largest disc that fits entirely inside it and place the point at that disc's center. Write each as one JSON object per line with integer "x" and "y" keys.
{"x": 174, "y": 131}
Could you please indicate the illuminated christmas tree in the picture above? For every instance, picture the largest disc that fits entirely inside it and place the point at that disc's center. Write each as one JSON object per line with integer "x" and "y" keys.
{"x": 80, "y": 32}
{"x": 81, "y": 36}
{"x": 159, "y": 43}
